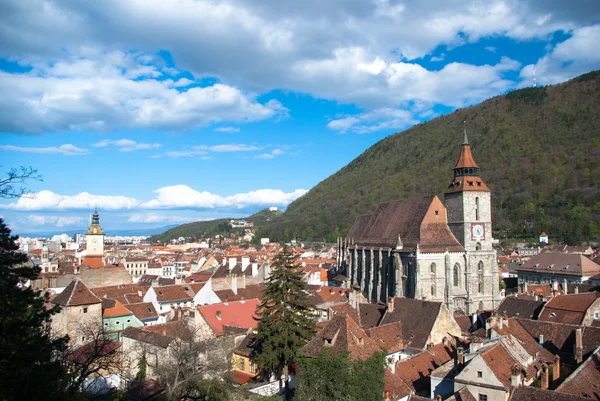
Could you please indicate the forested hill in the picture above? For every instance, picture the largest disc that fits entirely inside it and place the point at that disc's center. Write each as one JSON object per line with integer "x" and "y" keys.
{"x": 202, "y": 229}
{"x": 538, "y": 150}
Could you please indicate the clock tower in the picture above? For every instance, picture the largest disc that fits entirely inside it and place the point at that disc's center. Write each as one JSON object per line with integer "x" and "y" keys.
{"x": 95, "y": 237}
{"x": 468, "y": 203}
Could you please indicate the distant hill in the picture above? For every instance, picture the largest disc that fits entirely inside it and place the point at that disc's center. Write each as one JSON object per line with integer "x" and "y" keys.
{"x": 538, "y": 150}
{"x": 210, "y": 228}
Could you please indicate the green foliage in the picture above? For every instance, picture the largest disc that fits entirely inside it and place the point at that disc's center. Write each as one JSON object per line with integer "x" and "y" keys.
{"x": 285, "y": 315}
{"x": 204, "y": 229}
{"x": 142, "y": 366}
{"x": 334, "y": 378}
{"x": 538, "y": 150}
{"x": 29, "y": 366}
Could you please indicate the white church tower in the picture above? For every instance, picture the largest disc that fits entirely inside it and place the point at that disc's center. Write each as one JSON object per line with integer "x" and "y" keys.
{"x": 95, "y": 237}
{"x": 468, "y": 202}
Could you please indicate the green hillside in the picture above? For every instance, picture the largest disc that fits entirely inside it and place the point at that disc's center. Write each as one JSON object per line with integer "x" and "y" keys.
{"x": 538, "y": 150}
{"x": 203, "y": 229}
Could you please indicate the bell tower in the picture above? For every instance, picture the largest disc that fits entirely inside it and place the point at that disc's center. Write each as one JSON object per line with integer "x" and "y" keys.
{"x": 95, "y": 237}
{"x": 468, "y": 204}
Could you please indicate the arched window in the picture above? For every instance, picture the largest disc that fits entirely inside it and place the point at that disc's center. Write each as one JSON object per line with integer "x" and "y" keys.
{"x": 456, "y": 274}
{"x": 433, "y": 268}
{"x": 433, "y": 290}
{"x": 480, "y": 274}
{"x": 478, "y": 246}
{"x": 477, "y": 208}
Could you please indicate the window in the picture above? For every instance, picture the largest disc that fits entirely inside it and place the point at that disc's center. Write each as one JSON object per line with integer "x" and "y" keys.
{"x": 456, "y": 274}
{"x": 242, "y": 364}
{"x": 596, "y": 315}
{"x": 477, "y": 208}
{"x": 480, "y": 274}
{"x": 479, "y": 374}
{"x": 482, "y": 397}
{"x": 84, "y": 310}
{"x": 432, "y": 268}
{"x": 251, "y": 367}
{"x": 117, "y": 323}
{"x": 433, "y": 290}
{"x": 478, "y": 246}
{"x": 128, "y": 320}
{"x": 106, "y": 324}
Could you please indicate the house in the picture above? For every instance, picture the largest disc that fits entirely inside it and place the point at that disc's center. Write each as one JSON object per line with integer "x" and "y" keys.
{"x": 342, "y": 334}
{"x": 145, "y": 312}
{"x": 244, "y": 368}
{"x": 218, "y": 319}
{"x": 585, "y": 380}
{"x": 577, "y": 309}
{"x": 548, "y": 266}
{"x": 171, "y": 296}
{"x": 520, "y": 307}
{"x": 543, "y": 238}
{"x": 116, "y": 318}
{"x": 524, "y": 393}
{"x": 80, "y": 310}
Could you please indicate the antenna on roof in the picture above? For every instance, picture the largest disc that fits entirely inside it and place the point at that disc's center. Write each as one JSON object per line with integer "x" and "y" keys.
{"x": 534, "y": 82}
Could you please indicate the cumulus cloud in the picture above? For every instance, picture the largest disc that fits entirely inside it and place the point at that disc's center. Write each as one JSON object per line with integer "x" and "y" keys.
{"x": 66, "y": 149}
{"x": 573, "y": 57}
{"x": 272, "y": 154}
{"x": 170, "y": 197}
{"x": 350, "y": 51}
{"x": 111, "y": 90}
{"x": 375, "y": 120}
{"x": 126, "y": 145}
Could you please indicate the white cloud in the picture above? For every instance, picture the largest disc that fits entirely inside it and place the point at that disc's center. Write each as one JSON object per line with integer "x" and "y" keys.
{"x": 490, "y": 49}
{"x": 227, "y": 129}
{"x": 171, "y": 197}
{"x": 126, "y": 145}
{"x": 375, "y": 120}
{"x": 349, "y": 51}
{"x": 157, "y": 218}
{"x": 233, "y": 148}
{"x": 111, "y": 90}
{"x": 57, "y": 221}
{"x": 66, "y": 149}
{"x": 573, "y": 57}
{"x": 48, "y": 200}
{"x": 272, "y": 155}
{"x": 441, "y": 57}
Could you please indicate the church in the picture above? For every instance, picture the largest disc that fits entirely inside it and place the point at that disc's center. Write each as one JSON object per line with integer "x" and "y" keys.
{"x": 422, "y": 248}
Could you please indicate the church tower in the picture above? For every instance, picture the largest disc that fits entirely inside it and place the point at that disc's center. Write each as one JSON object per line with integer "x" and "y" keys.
{"x": 95, "y": 237}
{"x": 468, "y": 202}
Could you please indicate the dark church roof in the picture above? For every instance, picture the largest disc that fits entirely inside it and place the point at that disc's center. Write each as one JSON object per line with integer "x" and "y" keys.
{"x": 405, "y": 219}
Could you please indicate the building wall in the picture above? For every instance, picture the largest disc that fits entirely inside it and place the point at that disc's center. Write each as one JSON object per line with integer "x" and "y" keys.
{"x": 114, "y": 325}
{"x": 94, "y": 244}
{"x": 248, "y": 366}
{"x": 444, "y": 325}
{"x": 74, "y": 320}
{"x": 104, "y": 276}
{"x": 593, "y": 310}
{"x": 488, "y": 384}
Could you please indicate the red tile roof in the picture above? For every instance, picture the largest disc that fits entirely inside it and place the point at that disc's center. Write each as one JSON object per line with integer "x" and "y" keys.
{"x": 75, "y": 294}
{"x": 236, "y": 314}
{"x": 117, "y": 310}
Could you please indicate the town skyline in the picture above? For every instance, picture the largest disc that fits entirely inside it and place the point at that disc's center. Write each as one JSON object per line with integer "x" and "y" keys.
{"x": 156, "y": 130}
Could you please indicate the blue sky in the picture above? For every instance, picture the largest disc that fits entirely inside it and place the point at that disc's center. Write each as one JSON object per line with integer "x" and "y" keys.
{"x": 163, "y": 112}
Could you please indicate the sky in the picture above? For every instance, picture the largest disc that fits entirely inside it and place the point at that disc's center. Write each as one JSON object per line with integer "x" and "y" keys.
{"x": 163, "y": 112}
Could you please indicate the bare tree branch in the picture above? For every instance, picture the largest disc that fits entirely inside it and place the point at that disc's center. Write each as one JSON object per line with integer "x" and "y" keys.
{"x": 18, "y": 176}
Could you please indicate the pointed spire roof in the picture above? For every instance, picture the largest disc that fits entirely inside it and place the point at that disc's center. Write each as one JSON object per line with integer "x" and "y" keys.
{"x": 466, "y": 171}
{"x": 466, "y": 157}
{"x": 76, "y": 294}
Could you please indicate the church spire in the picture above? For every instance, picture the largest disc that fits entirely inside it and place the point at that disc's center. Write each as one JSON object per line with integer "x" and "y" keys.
{"x": 465, "y": 139}
{"x": 466, "y": 171}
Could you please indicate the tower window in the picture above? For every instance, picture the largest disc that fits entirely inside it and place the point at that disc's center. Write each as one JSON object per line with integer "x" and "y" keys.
{"x": 456, "y": 274}
{"x": 477, "y": 208}
{"x": 480, "y": 274}
{"x": 432, "y": 268}
{"x": 478, "y": 246}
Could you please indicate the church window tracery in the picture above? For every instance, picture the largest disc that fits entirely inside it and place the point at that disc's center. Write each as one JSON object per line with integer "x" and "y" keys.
{"x": 456, "y": 274}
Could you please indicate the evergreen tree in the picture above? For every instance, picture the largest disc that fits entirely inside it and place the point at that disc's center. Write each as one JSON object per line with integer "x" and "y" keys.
{"x": 285, "y": 315}
{"x": 29, "y": 363}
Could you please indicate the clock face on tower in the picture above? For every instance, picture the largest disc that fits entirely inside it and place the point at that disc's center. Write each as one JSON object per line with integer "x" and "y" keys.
{"x": 94, "y": 240}
{"x": 477, "y": 231}
{"x": 95, "y": 230}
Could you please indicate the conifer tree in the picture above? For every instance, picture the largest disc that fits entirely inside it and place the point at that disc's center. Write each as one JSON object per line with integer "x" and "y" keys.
{"x": 286, "y": 317}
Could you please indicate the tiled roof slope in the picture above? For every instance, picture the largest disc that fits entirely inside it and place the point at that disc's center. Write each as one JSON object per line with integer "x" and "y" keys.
{"x": 75, "y": 294}
{"x": 418, "y": 318}
{"x": 585, "y": 380}
{"x": 525, "y": 393}
{"x": 518, "y": 307}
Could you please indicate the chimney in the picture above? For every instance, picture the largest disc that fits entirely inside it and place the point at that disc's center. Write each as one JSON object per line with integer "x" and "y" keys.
{"x": 140, "y": 293}
{"x": 524, "y": 287}
{"x": 515, "y": 377}
{"x": 541, "y": 339}
{"x": 392, "y": 366}
{"x": 460, "y": 356}
{"x": 254, "y": 269}
{"x": 554, "y": 285}
{"x": 234, "y": 283}
{"x": 245, "y": 262}
{"x": 390, "y": 304}
{"x": 232, "y": 263}
{"x": 564, "y": 286}
{"x": 578, "y": 346}
{"x": 576, "y": 290}
{"x": 556, "y": 369}
{"x": 545, "y": 377}
{"x": 218, "y": 314}
{"x": 474, "y": 319}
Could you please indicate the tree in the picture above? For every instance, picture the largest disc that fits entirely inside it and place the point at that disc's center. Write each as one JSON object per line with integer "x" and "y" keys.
{"x": 29, "y": 363}
{"x": 17, "y": 176}
{"x": 334, "y": 378}
{"x": 285, "y": 315}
